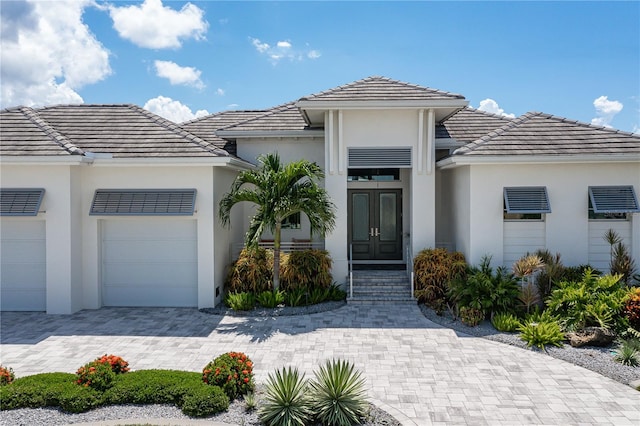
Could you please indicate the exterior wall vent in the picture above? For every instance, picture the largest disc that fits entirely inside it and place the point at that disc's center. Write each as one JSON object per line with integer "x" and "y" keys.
{"x": 143, "y": 202}
{"x": 526, "y": 199}
{"x": 20, "y": 201}
{"x": 360, "y": 158}
{"x": 613, "y": 199}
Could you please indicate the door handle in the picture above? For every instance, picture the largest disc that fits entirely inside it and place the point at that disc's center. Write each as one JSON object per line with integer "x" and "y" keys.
{"x": 371, "y": 233}
{"x": 377, "y": 234}
{"x": 374, "y": 232}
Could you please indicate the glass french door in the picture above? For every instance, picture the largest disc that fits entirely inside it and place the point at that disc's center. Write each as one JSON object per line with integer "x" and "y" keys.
{"x": 375, "y": 224}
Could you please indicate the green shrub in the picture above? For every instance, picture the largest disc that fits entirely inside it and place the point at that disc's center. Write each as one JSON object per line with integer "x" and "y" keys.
{"x": 251, "y": 272}
{"x": 270, "y": 299}
{"x": 433, "y": 270}
{"x": 6, "y": 375}
{"x": 505, "y": 322}
{"x": 203, "y": 401}
{"x": 232, "y": 371}
{"x": 628, "y": 352}
{"x": 471, "y": 316}
{"x": 307, "y": 269}
{"x": 486, "y": 290}
{"x": 96, "y": 375}
{"x": 336, "y": 294}
{"x": 152, "y": 387}
{"x": 541, "y": 333}
{"x": 76, "y": 399}
{"x": 243, "y": 301}
{"x": 317, "y": 295}
{"x": 38, "y": 390}
{"x": 575, "y": 273}
{"x": 286, "y": 402}
{"x": 296, "y": 297}
{"x": 593, "y": 301}
{"x": 338, "y": 394}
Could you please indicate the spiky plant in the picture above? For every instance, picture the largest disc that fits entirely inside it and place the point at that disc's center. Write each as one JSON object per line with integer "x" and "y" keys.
{"x": 338, "y": 392}
{"x": 286, "y": 402}
{"x": 628, "y": 353}
{"x": 527, "y": 266}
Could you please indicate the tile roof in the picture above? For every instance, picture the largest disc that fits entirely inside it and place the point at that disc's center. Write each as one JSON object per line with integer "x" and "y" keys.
{"x": 470, "y": 124}
{"x": 125, "y": 131}
{"x": 206, "y": 127}
{"x": 281, "y": 118}
{"x": 381, "y": 89}
{"x": 22, "y": 132}
{"x": 536, "y": 133}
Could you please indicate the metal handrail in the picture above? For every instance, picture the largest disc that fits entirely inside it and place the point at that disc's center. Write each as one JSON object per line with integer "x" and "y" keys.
{"x": 350, "y": 270}
{"x": 410, "y": 272}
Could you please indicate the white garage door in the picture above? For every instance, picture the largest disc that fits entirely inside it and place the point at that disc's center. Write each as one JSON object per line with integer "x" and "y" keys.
{"x": 149, "y": 263}
{"x": 23, "y": 265}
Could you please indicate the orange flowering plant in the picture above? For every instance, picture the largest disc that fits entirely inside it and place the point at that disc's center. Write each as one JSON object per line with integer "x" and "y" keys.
{"x": 232, "y": 371}
{"x": 6, "y": 375}
{"x": 100, "y": 372}
{"x": 632, "y": 307}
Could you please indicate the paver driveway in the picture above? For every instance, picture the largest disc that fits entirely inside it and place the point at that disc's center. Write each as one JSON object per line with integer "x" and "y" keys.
{"x": 420, "y": 372}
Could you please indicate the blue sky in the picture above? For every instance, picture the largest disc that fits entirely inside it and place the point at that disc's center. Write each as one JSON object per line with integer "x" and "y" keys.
{"x": 579, "y": 60}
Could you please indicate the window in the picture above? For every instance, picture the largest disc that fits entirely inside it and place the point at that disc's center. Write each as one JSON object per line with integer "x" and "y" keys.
{"x": 525, "y": 202}
{"x": 20, "y": 201}
{"x": 360, "y": 175}
{"x": 143, "y": 202}
{"x": 612, "y": 202}
{"x": 292, "y": 222}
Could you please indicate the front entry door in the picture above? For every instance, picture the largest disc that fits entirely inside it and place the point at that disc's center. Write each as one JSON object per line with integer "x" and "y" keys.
{"x": 375, "y": 224}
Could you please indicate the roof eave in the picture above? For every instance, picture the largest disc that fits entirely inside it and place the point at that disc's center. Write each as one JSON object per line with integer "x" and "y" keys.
{"x": 465, "y": 160}
{"x": 381, "y": 104}
{"x": 43, "y": 160}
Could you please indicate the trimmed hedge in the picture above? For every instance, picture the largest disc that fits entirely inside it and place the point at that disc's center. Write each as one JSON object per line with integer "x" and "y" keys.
{"x": 184, "y": 389}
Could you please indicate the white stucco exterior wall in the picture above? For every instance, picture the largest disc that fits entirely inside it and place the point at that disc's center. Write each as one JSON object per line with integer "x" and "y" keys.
{"x": 478, "y": 199}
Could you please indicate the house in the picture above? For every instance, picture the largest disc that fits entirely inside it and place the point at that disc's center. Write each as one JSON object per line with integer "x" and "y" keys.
{"x": 408, "y": 167}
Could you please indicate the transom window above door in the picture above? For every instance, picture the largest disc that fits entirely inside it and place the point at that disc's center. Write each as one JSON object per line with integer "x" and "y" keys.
{"x": 357, "y": 175}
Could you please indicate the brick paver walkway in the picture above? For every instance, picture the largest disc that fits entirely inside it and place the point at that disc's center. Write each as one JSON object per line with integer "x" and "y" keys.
{"x": 421, "y": 373}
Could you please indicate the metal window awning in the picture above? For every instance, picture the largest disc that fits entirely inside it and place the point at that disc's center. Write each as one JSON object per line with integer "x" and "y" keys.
{"x": 613, "y": 199}
{"x": 526, "y": 199}
{"x": 20, "y": 201}
{"x": 144, "y": 202}
{"x": 379, "y": 157}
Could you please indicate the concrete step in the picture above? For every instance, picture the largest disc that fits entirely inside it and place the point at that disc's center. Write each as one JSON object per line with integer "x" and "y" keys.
{"x": 378, "y": 301}
{"x": 382, "y": 288}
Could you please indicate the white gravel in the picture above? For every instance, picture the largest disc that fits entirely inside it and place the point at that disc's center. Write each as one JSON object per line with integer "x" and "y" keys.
{"x": 592, "y": 358}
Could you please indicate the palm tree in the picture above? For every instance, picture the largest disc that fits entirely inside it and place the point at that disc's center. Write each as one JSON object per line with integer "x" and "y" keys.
{"x": 280, "y": 191}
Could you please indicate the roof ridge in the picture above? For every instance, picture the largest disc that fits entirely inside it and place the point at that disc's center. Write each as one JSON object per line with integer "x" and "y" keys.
{"x": 585, "y": 124}
{"x": 214, "y": 114}
{"x": 490, "y": 114}
{"x": 32, "y": 115}
{"x": 472, "y": 146}
{"x": 375, "y": 77}
{"x": 174, "y": 127}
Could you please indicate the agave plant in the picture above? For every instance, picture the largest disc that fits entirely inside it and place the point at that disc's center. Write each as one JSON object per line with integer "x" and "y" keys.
{"x": 286, "y": 402}
{"x": 338, "y": 392}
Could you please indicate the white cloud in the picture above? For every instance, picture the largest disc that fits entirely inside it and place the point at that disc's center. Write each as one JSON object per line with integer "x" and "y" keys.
{"x": 155, "y": 26}
{"x": 48, "y": 53}
{"x": 605, "y": 111}
{"x": 492, "y": 107}
{"x": 172, "y": 110}
{"x": 283, "y": 50}
{"x": 220, "y": 92}
{"x": 260, "y": 46}
{"x": 178, "y": 75}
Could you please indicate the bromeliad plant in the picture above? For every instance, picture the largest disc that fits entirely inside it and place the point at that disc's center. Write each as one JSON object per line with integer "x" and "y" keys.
{"x": 232, "y": 371}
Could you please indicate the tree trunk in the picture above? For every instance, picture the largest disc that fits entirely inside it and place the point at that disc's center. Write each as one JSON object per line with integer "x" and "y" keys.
{"x": 276, "y": 257}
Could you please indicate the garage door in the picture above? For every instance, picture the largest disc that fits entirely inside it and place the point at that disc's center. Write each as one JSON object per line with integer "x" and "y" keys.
{"x": 23, "y": 265}
{"x": 149, "y": 263}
